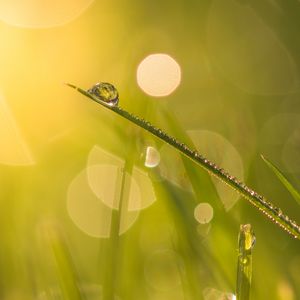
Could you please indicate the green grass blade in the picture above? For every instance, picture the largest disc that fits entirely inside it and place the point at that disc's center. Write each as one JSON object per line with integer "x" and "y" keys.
{"x": 244, "y": 266}
{"x": 113, "y": 256}
{"x": 68, "y": 277}
{"x": 283, "y": 179}
{"x": 272, "y": 212}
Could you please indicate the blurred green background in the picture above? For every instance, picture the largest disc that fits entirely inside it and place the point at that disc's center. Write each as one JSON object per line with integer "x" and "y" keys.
{"x": 66, "y": 162}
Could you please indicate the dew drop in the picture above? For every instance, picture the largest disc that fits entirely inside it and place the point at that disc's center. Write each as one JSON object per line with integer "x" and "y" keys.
{"x": 152, "y": 157}
{"x": 105, "y": 92}
{"x": 244, "y": 260}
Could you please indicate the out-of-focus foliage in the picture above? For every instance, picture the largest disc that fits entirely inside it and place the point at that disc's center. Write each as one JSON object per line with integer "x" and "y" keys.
{"x": 81, "y": 214}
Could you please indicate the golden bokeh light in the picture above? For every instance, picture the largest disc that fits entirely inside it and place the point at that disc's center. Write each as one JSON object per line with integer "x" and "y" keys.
{"x": 41, "y": 14}
{"x": 89, "y": 213}
{"x": 203, "y": 213}
{"x": 105, "y": 171}
{"x": 158, "y": 75}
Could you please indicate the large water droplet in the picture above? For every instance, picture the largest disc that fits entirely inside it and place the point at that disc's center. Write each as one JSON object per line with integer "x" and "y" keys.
{"x": 105, "y": 92}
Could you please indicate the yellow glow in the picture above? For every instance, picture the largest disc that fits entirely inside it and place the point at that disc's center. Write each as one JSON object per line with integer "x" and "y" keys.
{"x": 41, "y": 13}
{"x": 14, "y": 150}
{"x": 158, "y": 75}
{"x": 285, "y": 290}
{"x": 90, "y": 214}
{"x": 203, "y": 213}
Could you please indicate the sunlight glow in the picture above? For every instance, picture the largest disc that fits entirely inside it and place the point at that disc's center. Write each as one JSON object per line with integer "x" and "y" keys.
{"x": 158, "y": 75}
{"x": 41, "y": 14}
{"x": 14, "y": 150}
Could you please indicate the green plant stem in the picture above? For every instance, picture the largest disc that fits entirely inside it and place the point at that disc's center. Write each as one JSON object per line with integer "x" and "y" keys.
{"x": 113, "y": 255}
{"x": 283, "y": 179}
{"x": 271, "y": 211}
{"x": 244, "y": 266}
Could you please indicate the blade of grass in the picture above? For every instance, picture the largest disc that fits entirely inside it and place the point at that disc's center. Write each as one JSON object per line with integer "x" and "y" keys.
{"x": 65, "y": 267}
{"x": 113, "y": 250}
{"x": 274, "y": 213}
{"x": 244, "y": 266}
{"x": 283, "y": 179}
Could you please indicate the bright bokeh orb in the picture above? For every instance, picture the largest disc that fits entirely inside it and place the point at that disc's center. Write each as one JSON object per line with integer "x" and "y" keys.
{"x": 109, "y": 172}
{"x": 41, "y": 13}
{"x": 89, "y": 213}
{"x": 152, "y": 158}
{"x": 203, "y": 213}
{"x": 158, "y": 75}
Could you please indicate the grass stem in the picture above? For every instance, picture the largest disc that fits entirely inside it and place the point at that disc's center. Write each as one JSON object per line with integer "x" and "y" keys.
{"x": 258, "y": 201}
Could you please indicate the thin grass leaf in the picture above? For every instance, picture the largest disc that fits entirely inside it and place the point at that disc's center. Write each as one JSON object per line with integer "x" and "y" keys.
{"x": 68, "y": 277}
{"x": 267, "y": 208}
{"x": 283, "y": 179}
{"x": 244, "y": 266}
{"x": 112, "y": 255}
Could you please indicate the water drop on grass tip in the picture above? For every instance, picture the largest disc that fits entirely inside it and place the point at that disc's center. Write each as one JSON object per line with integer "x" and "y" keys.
{"x": 105, "y": 92}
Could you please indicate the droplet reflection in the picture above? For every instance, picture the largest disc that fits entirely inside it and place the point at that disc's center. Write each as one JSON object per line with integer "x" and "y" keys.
{"x": 105, "y": 92}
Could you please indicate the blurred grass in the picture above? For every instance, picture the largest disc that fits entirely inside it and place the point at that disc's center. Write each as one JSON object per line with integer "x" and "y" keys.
{"x": 229, "y": 86}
